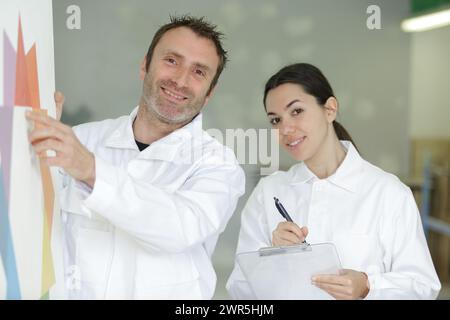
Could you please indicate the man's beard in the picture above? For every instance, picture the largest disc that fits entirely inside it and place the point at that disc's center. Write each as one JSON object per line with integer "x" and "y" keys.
{"x": 167, "y": 112}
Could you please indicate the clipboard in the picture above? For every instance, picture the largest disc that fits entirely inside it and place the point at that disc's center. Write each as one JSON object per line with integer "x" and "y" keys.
{"x": 284, "y": 273}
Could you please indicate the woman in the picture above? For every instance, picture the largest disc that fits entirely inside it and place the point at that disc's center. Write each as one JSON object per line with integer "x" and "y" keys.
{"x": 336, "y": 196}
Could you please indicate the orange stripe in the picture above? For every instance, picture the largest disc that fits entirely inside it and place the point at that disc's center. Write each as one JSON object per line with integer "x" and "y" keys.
{"x": 33, "y": 81}
{"x": 47, "y": 185}
{"x": 48, "y": 271}
{"x": 22, "y": 96}
{"x": 49, "y": 194}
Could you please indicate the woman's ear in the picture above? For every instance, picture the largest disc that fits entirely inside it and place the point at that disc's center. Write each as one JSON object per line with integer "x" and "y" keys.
{"x": 331, "y": 109}
{"x": 142, "y": 70}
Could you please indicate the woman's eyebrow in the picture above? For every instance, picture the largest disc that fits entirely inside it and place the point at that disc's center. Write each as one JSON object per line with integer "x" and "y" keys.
{"x": 287, "y": 106}
{"x": 292, "y": 102}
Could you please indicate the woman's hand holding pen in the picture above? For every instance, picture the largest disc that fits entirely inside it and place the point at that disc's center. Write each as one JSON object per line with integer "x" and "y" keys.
{"x": 288, "y": 234}
{"x": 348, "y": 285}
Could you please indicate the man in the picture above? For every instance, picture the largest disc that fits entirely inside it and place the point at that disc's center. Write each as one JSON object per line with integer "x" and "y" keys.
{"x": 147, "y": 195}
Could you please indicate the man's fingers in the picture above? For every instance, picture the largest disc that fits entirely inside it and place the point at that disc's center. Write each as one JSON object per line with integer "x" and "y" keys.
{"x": 43, "y": 119}
{"x": 59, "y": 98}
{"x": 59, "y": 101}
{"x": 49, "y": 144}
{"x": 40, "y": 118}
{"x": 46, "y": 133}
{"x": 53, "y": 161}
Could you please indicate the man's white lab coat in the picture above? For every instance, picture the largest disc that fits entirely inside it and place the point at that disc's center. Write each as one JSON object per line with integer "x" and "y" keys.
{"x": 149, "y": 226}
{"x": 367, "y": 213}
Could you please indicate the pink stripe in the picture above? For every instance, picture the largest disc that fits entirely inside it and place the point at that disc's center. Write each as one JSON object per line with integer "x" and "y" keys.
{"x": 9, "y": 76}
{"x": 6, "y": 121}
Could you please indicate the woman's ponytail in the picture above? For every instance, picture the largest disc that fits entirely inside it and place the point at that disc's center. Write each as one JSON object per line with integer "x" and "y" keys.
{"x": 342, "y": 133}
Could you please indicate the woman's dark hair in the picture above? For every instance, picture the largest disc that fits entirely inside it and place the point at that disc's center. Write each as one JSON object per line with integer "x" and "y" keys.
{"x": 312, "y": 80}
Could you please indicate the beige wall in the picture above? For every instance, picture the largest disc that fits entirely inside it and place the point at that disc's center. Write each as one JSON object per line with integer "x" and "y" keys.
{"x": 430, "y": 85}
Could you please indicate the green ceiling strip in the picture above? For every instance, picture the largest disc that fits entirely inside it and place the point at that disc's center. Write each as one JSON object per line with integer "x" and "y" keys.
{"x": 418, "y": 6}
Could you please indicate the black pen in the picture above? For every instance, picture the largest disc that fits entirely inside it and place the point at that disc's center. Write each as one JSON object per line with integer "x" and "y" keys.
{"x": 283, "y": 212}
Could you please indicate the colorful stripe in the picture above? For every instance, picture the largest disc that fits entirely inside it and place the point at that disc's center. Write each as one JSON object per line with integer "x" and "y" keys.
{"x": 21, "y": 88}
{"x": 6, "y": 247}
{"x": 33, "y": 81}
{"x": 9, "y": 75}
{"x": 22, "y": 97}
{"x": 6, "y": 129}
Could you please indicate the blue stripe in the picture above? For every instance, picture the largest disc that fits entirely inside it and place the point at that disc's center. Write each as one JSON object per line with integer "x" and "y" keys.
{"x": 6, "y": 247}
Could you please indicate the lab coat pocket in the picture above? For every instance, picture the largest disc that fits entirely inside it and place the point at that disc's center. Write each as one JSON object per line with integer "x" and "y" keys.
{"x": 167, "y": 272}
{"x": 76, "y": 215}
{"x": 70, "y": 200}
{"x": 355, "y": 250}
{"x": 94, "y": 254}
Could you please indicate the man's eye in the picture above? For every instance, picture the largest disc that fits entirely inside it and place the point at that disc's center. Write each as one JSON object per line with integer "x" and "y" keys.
{"x": 171, "y": 60}
{"x": 200, "y": 72}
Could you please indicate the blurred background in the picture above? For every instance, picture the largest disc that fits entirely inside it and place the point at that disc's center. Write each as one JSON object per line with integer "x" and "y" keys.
{"x": 392, "y": 85}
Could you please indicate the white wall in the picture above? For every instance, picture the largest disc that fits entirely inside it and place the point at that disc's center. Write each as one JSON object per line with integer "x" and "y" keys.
{"x": 97, "y": 66}
{"x": 430, "y": 85}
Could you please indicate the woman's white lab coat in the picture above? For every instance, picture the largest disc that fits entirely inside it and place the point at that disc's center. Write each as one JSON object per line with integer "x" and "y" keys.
{"x": 368, "y": 214}
{"x": 149, "y": 226}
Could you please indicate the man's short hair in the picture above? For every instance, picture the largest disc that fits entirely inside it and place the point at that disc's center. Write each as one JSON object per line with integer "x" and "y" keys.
{"x": 200, "y": 27}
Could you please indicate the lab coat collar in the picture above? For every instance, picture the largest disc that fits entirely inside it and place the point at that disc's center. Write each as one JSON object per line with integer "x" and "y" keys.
{"x": 176, "y": 144}
{"x": 302, "y": 174}
{"x": 122, "y": 136}
{"x": 346, "y": 176}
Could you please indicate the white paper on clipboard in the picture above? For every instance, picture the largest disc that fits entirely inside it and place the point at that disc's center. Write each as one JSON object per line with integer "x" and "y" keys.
{"x": 285, "y": 272}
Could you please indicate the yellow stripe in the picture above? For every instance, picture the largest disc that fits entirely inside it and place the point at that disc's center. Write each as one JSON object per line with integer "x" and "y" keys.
{"x": 48, "y": 272}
